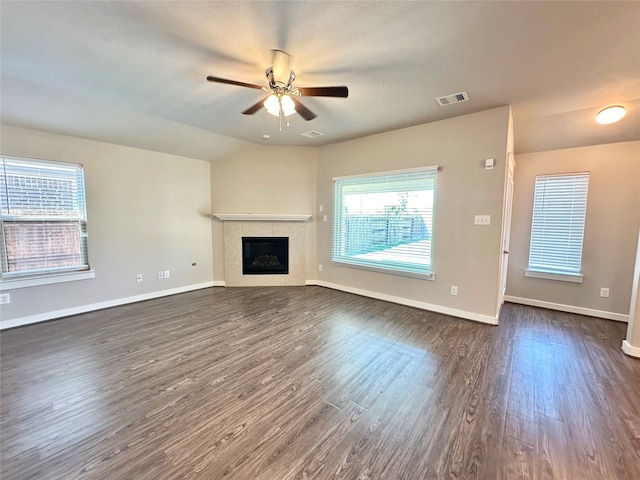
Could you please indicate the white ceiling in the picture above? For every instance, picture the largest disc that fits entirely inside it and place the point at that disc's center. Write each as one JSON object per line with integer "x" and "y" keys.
{"x": 134, "y": 73}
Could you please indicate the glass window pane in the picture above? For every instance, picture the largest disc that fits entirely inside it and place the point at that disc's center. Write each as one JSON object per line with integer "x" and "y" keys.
{"x": 43, "y": 217}
{"x": 385, "y": 221}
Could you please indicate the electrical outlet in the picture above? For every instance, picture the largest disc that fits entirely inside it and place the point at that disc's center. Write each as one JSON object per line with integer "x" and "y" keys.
{"x": 167, "y": 274}
{"x": 324, "y": 218}
{"x": 321, "y": 208}
{"x": 454, "y": 290}
{"x": 5, "y": 298}
{"x": 139, "y": 277}
{"x": 319, "y": 267}
{"x": 482, "y": 220}
{"x": 604, "y": 292}
{"x": 160, "y": 275}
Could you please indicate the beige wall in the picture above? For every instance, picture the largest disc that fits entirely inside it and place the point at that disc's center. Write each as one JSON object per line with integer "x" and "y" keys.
{"x": 147, "y": 211}
{"x": 611, "y": 226}
{"x": 150, "y": 211}
{"x": 265, "y": 179}
{"x": 464, "y": 254}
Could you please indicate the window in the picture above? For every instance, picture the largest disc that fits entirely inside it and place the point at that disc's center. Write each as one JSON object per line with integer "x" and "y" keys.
{"x": 384, "y": 222}
{"x": 557, "y": 230}
{"x": 44, "y": 220}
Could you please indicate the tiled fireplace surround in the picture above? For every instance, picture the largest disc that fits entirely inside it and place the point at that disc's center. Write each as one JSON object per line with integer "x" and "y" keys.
{"x": 248, "y": 225}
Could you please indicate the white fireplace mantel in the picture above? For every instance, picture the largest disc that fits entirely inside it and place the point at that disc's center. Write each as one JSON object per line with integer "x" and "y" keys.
{"x": 262, "y": 217}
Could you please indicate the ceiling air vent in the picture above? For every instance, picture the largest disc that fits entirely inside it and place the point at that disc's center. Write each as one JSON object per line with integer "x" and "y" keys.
{"x": 453, "y": 98}
{"x": 312, "y": 134}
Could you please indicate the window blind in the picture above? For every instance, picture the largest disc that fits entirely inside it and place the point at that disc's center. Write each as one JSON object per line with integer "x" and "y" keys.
{"x": 43, "y": 217}
{"x": 557, "y": 230}
{"x": 385, "y": 222}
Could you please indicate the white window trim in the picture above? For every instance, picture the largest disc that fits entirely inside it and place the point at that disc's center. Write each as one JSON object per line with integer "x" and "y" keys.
{"x": 552, "y": 274}
{"x": 563, "y": 277}
{"x": 389, "y": 172}
{"x": 11, "y": 281}
{"x": 401, "y": 273}
{"x": 431, "y": 276}
{"x": 47, "y": 279}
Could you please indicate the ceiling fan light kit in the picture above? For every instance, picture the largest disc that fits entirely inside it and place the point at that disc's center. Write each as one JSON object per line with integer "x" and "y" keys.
{"x": 276, "y": 105}
{"x": 281, "y": 101}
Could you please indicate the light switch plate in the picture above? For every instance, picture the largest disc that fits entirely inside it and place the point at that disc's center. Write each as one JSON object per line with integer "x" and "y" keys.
{"x": 482, "y": 220}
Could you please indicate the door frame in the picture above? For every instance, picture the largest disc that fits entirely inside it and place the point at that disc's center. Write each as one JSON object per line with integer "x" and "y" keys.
{"x": 505, "y": 234}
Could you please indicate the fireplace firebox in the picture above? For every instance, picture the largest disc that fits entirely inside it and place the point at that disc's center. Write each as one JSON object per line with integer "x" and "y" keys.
{"x": 265, "y": 255}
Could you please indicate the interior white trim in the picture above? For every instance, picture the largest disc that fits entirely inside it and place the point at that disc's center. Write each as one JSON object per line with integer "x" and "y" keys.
{"x": 430, "y": 168}
{"x": 389, "y": 271}
{"x": 41, "y": 317}
{"x": 262, "y": 217}
{"x": 219, "y": 283}
{"x": 477, "y": 317}
{"x": 46, "y": 279}
{"x": 562, "y": 277}
{"x": 619, "y": 317}
{"x": 630, "y": 350}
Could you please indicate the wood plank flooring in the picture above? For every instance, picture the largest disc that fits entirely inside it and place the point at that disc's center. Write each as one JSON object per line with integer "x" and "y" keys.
{"x": 290, "y": 383}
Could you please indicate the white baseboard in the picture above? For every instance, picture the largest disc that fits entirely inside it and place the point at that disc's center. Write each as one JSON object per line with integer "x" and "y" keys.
{"x": 311, "y": 282}
{"x": 629, "y": 350}
{"x": 41, "y": 317}
{"x": 410, "y": 303}
{"x": 619, "y": 317}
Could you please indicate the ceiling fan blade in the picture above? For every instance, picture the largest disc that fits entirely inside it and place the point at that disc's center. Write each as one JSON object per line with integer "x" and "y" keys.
{"x": 254, "y": 108}
{"x": 302, "y": 110}
{"x": 341, "y": 91}
{"x": 233, "y": 82}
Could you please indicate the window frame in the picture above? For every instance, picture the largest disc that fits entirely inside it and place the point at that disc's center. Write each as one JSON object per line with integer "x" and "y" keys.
{"x": 572, "y": 272}
{"x": 12, "y": 280}
{"x": 382, "y": 266}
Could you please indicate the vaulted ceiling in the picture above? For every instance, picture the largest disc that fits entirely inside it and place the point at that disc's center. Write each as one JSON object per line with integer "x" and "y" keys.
{"x": 134, "y": 73}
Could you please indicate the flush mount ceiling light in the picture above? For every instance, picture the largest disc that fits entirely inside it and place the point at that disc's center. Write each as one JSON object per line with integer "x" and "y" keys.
{"x": 611, "y": 114}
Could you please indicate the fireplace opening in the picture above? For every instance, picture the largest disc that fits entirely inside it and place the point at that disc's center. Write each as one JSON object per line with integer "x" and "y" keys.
{"x": 265, "y": 255}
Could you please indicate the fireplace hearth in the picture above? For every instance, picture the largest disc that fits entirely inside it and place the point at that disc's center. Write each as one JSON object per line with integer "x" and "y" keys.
{"x": 265, "y": 255}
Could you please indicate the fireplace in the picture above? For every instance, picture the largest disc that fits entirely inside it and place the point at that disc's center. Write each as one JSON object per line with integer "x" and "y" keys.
{"x": 265, "y": 255}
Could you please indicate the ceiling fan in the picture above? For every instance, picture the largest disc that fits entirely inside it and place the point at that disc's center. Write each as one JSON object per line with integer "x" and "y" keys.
{"x": 282, "y": 100}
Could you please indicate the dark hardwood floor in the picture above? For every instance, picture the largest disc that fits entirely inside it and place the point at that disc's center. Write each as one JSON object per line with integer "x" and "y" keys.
{"x": 292, "y": 383}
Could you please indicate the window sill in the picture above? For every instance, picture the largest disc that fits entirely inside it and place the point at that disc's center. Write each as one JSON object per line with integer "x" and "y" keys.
{"x": 562, "y": 277}
{"x": 46, "y": 280}
{"x": 388, "y": 271}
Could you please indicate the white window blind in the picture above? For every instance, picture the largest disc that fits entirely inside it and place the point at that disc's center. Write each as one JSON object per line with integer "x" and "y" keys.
{"x": 385, "y": 222}
{"x": 43, "y": 219}
{"x": 557, "y": 230}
